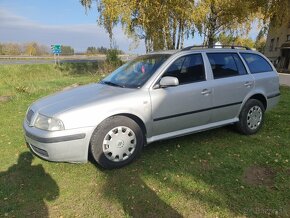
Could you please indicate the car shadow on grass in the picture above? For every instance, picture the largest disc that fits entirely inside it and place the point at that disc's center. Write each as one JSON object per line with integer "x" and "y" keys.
{"x": 133, "y": 194}
{"x": 24, "y": 188}
{"x": 209, "y": 169}
{"x": 200, "y": 175}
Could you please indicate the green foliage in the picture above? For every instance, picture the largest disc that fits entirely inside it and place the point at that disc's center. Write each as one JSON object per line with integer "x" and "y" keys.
{"x": 11, "y": 49}
{"x": 31, "y": 49}
{"x": 230, "y": 39}
{"x": 112, "y": 58}
{"x": 34, "y": 49}
{"x": 275, "y": 10}
{"x": 235, "y": 40}
{"x": 92, "y": 50}
{"x": 101, "y": 50}
{"x": 91, "y": 68}
{"x": 67, "y": 50}
{"x": 161, "y": 25}
{"x": 260, "y": 42}
{"x": 165, "y": 24}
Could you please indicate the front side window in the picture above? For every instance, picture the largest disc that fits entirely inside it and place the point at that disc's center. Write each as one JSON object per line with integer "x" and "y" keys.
{"x": 226, "y": 65}
{"x": 187, "y": 69}
{"x": 256, "y": 63}
{"x": 137, "y": 72}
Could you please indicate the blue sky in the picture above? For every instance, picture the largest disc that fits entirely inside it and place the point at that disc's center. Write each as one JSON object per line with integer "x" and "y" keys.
{"x": 51, "y": 12}
{"x": 62, "y": 22}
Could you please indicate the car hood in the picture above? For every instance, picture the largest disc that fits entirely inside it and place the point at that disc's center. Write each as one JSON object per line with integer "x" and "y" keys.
{"x": 77, "y": 97}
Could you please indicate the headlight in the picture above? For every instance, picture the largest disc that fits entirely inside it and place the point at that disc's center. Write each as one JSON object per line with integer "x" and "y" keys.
{"x": 48, "y": 123}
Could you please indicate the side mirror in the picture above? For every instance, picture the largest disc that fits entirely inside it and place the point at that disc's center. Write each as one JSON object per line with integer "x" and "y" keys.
{"x": 168, "y": 81}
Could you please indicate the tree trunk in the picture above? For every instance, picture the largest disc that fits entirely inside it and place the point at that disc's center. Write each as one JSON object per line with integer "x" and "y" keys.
{"x": 210, "y": 39}
{"x": 165, "y": 39}
{"x": 146, "y": 45}
{"x": 182, "y": 35}
{"x": 168, "y": 37}
{"x": 150, "y": 45}
{"x": 205, "y": 38}
{"x": 179, "y": 35}
{"x": 174, "y": 34}
{"x": 212, "y": 26}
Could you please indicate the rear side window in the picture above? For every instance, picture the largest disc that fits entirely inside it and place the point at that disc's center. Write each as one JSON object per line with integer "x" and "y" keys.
{"x": 187, "y": 69}
{"x": 256, "y": 63}
{"x": 226, "y": 65}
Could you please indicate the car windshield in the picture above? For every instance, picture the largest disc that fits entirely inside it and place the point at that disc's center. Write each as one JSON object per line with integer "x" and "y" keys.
{"x": 135, "y": 73}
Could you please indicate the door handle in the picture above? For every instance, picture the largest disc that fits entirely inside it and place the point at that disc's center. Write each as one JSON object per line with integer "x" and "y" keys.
{"x": 206, "y": 92}
{"x": 248, "y": 84}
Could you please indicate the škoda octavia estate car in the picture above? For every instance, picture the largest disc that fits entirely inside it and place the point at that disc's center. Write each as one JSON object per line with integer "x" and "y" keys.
{"x": 153, "y": 97}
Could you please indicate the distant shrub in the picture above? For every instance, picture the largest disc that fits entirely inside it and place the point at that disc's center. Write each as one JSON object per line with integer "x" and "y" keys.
{"x": 106, "y": 68}
{"x": 112, "y": 58}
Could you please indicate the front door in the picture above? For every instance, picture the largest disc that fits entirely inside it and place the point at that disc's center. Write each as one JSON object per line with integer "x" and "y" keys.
{"x": 183, "y": 106}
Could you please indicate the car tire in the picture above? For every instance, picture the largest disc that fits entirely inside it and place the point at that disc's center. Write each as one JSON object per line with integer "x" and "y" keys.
{"x": 251, "y": 117}
{"x": 116, "y": 142}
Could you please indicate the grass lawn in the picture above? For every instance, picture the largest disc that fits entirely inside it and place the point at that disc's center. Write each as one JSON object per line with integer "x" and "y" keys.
{"x": 218, "y": 173}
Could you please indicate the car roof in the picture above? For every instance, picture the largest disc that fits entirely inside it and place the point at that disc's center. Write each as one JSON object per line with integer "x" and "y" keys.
{"x": 171, "y": 52}
{"x": 217, "y": 50}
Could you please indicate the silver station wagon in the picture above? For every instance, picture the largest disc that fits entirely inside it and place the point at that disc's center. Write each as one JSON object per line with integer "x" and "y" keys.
{"x": 154, "y": 97}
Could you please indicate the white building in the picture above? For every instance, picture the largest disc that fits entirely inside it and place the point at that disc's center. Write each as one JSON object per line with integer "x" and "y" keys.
{"x": 278, "y": 45}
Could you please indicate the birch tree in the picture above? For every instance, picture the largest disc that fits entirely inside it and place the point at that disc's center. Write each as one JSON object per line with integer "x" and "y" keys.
{"x": 164, "y": 24}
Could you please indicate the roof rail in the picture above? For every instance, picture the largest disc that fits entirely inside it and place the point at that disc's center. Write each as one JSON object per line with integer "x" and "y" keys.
{"x": 215, "y": 46}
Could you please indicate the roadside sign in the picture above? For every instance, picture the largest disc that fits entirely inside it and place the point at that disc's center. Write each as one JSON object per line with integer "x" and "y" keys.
{"x": 56, "y": 49}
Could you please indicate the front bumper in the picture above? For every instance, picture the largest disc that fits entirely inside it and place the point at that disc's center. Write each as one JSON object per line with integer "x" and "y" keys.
{"x": 65, "y": 146}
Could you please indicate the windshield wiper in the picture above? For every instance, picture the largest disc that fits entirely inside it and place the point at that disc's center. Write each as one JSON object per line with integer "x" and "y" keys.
{"x": 112, "y": 84}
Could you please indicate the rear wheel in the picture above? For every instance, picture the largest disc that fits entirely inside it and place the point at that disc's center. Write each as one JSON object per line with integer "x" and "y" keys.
{"x": 251, "y": 117}
{"x": 116, "y": 142}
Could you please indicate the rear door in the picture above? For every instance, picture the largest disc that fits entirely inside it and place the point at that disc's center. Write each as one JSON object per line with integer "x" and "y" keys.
{"x": 231, "y": 84}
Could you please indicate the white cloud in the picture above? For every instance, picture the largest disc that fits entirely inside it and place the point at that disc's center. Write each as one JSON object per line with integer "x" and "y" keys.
{"x": 19, "y": 29}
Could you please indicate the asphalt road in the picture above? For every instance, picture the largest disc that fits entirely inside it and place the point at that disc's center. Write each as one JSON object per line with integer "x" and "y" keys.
{"x": 284, "y": 79}
{"x": 63, "y": 59}
{"x": 45, "y": 61}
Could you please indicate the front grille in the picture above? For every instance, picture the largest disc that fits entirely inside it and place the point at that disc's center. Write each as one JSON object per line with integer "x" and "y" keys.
{"x": 29, "y": 116}
{"x": 39, "y": 151}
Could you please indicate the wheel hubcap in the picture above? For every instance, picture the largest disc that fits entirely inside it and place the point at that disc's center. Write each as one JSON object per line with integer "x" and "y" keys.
{"x": 254, "y": 117}
{"x": 119, "y": 143}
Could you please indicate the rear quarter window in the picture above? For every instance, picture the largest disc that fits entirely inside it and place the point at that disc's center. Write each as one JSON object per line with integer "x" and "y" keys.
{"x": 256, "y": 63}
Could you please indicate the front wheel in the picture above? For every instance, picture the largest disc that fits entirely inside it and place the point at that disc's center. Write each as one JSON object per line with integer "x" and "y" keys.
{"x": 251, "y": 117}
{"x": 116, "y": 142}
